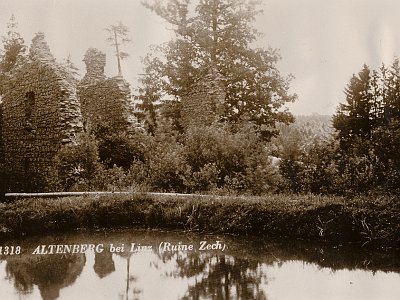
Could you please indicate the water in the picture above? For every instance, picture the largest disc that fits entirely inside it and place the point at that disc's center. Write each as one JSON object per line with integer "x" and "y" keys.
{"x": 244, "y": 269}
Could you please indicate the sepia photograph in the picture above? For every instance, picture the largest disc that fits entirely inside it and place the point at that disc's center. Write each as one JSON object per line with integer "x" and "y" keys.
{"x": 199, "y": 149}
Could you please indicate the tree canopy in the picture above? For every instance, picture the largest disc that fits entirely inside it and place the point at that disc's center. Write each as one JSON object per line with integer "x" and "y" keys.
{"x": 372, "y": 102}
{"x": 218, "y": 35}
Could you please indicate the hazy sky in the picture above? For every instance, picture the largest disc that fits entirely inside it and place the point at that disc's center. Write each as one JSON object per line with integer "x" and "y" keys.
{"x": 322, "y": 42}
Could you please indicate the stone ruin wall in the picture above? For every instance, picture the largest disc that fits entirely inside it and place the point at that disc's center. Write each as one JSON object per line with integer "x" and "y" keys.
{"x": 204, "y": 104}
{"x": 1, "y": 136}
{"x": 41, "y": 112}
{"x": 105, "y": 103}
{"x": 42, "y": 109}
{"x": 104, "y": 100}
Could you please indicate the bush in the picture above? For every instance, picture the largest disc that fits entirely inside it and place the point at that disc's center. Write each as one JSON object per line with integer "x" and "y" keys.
{"x": 113, "y": 179}
{"x": 164, "y": 167}
{"x": 203, "y": 180}
{"x": 167, "y": 168}
{"x": 386, "y": 141}
{"x": 261, "y": 177}
{"x": 119, "y": 148}
{"x": 233, "y": 161}
{"x": 76, "y": 166}
{"x": 324, "y": 168}
{"x": 216, "y": 145}
{"x": 319, "y": 173}
{"x": 205, "y": 159}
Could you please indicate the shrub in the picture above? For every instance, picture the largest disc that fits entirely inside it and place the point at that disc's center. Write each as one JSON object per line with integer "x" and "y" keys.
{"x": 234, "y": 161}
{"x": 76, "y": 166}
{"x": 215, "y": 145}
{"x": 319, "y": 173}
{"x": 119, "y": 148}
{"x": 113, "y": 179}
{"x": 261, "y": 177}
{"x": 164, "y": 166}
{"x": 167, "y": 167}
{"x": 203, "y": 180}
{"x": 386, "y": 141}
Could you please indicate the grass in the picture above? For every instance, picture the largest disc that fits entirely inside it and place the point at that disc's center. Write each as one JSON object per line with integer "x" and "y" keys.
{"x": 373, "y": 221}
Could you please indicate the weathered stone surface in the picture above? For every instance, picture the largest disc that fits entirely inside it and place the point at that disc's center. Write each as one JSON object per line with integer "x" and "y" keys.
{"x": 1, "y": 135}
{"x": 41, "y": 112}
{"x": 104, "y": 100}
{"x": 204, "y": 104}
{"x": 95, "y": 62}
{"x": 41, "y": 109}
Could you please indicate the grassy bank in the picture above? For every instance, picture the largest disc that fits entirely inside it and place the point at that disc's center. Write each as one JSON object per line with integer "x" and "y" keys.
{"x": 366, "y": 221}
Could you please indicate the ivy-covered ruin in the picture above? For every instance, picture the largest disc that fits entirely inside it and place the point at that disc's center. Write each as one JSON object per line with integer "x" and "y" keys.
{"x": 43, "y": 108}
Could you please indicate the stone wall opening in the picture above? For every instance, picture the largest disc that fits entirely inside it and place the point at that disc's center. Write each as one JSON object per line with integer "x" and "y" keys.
{"x": 29, "y": 105}
{"x": 27, "y": 167}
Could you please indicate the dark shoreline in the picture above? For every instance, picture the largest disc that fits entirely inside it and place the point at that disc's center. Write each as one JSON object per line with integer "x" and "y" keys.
{"x": 362, "y": 221}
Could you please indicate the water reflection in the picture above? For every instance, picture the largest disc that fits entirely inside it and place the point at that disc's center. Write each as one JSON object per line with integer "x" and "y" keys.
{"x": 103, "y": 264}
{"x": 218, "y": 276}
{"x": 228, "y": 278}
{"x": 49, "y": 273}
{"x": 247, "y": 270}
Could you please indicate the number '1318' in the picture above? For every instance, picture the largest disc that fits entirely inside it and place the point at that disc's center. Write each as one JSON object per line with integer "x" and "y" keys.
{"x": 10, "y": 250}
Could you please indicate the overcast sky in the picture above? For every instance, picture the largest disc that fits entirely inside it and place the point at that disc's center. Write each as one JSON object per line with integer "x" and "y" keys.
{"x": 322, "y": 42}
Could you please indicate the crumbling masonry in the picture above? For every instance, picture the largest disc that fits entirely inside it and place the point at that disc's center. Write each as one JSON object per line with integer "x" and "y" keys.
{"x": 204, "y": 104}
{"x": 40, "y": 112}
{"x": 104, "y": 100}
{"x": 41, "y": 109}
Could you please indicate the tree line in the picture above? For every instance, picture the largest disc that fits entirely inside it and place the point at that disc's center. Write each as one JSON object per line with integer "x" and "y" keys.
{"x": 362, "y": 153}
{"x": 233, "y": 155}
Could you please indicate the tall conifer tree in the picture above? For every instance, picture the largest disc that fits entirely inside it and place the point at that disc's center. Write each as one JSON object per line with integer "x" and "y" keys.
{"x": 217, "y": 36}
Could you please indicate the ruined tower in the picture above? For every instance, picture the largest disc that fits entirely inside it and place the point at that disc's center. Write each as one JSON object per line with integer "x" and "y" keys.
{"x": 40, "y": 112}
{"x": 204, "y": 104}
{"x": 104, "y": 101}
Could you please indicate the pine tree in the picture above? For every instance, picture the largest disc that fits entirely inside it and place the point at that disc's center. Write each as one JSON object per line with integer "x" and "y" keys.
{"x": 70, "y": 66}
{"x": 13, "y": 53}
{"x": 118, "y": 35}
{"x": 353, "y": 119}
{"x": 391, "y": 102}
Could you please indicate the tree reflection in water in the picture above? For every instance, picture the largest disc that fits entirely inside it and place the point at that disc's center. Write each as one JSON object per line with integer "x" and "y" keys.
{"x": 228, "y": 278}
{"x": 103, "y": 264}
{"x": 129, "y": 279}
{"x": 218, "y": 276}
{"x": 238, "y": 273}
{"x": 50, "y": 273}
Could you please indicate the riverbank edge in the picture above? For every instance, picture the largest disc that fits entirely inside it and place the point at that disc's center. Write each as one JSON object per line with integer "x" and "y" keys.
{"x": 362, "y": 220}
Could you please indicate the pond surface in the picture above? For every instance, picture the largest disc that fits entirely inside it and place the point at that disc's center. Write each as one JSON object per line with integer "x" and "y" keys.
{"x": 134, "y": 264}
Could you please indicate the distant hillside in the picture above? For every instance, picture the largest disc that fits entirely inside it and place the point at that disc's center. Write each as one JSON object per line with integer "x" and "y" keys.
{"x": 295, "y": 138}
{"x": 314, "y": 125}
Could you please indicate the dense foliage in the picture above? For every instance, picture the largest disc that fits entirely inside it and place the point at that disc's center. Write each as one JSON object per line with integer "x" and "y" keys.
{"x": 362, "y": 153}
{"x": 255, "y": 152}
{"x": 217, "y": 36}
